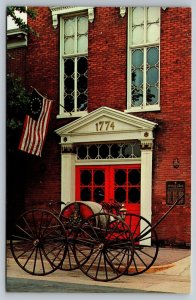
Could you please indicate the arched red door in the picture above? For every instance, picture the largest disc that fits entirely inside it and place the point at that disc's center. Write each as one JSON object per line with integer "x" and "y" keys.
{"x": 119, "y": 183}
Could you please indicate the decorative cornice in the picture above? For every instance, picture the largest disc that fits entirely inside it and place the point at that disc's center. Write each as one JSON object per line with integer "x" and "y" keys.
{"x": 63, "y": 10}
{"x": 68, "y": 149}
{"x": 146, "y": 144}
{"x": 122, "y": 11}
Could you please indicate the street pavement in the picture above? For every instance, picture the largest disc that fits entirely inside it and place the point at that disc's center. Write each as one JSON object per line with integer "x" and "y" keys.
{"x": 170, "y": 274}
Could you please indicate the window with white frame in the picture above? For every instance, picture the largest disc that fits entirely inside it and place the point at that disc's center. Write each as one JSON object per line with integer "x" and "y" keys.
{"x": 143, "y": 91}
{"x": 74, "y": 65}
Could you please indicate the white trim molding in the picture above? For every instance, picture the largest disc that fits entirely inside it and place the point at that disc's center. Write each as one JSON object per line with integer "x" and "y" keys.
{"x": 63, "y": 10}
{"x": 16, "y": 39}
{"x": 107, "y": 125}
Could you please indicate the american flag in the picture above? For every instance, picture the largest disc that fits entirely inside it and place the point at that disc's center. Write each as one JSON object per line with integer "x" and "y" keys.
{"x": 35, "y": 124}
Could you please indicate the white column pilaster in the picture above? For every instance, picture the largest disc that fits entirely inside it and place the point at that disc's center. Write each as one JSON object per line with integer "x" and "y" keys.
{"x": 68, "y": 177}
{"x": 146, "y": 181}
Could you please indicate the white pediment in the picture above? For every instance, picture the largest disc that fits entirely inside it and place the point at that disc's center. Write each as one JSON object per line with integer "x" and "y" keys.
{"x": 106, "y": 124}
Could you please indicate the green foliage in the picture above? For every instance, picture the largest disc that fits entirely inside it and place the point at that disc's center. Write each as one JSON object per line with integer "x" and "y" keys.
{"x": 17, "y": 95}
{"x": 11, "y": 11}
{"x": 17, "y": 107}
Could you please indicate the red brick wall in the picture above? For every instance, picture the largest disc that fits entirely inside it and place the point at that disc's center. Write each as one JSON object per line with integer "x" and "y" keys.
{"x": 107, "y": 59}
{"x": 16, "y": 62}
{"x": 107, "y": 86}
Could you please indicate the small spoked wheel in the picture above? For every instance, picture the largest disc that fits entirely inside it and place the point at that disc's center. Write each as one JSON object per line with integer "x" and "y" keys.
{"x": 38, "y": 242}
{"x": 103, "y": 247}
{"x": 146, "y": 244}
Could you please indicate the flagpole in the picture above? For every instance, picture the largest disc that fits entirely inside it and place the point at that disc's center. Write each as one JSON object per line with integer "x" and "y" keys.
{"x": 65, "y": 109}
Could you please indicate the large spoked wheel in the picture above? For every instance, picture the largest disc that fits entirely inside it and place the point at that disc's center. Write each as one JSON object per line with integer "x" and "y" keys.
{"x": 146, "y": 244}
{"x": 38, "y": 242}
{"x": 72, "y": 216}
{"x": 103, "y": 247}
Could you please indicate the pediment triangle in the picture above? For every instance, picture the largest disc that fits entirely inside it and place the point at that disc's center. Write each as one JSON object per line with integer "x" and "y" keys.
{"x": 105, "y": 119}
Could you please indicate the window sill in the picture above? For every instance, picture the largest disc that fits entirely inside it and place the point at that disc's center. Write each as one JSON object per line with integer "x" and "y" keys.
{"x": 141, "y": 109}
{"x": 78, "y": 114}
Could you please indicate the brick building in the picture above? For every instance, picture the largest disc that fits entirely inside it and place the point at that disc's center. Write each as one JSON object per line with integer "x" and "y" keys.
{"x": 120, "y": 127}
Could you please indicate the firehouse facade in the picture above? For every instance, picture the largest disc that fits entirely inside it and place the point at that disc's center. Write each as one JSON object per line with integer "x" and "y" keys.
{"x": 120, "y": 128}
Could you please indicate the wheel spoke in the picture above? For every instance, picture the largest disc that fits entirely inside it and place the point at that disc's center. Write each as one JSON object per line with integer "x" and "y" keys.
{"x": 144, "y": 254}
{"x": 23, "y": 230}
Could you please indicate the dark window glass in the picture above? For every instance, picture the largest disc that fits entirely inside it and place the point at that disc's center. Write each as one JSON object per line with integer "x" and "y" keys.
{"x": 134, "y": 177}
{"x": 85, "y": 194}
{"x": 82, "y": 102}
{"x": 99, "y": 195}
{"x": 120, "y": 195}
{"x": 104, "y": 151}
{"x": 127, "y": 150}
{"x": 134, "y": 195}
{"x": 69, "y": 85}
{"x": 93, "y": 151}
{"x": 86, "y": 177}
{"x": 69, "y": 103}
{"x": 82, "y": 65}
{"x": 82, "y": 152}
{"x": 69, "y": 67}
{"x": 99, "y": 177}
{"x": 115, "y": 150}
{"x": 82, "y": 84}
{"x": 120, "y": 177}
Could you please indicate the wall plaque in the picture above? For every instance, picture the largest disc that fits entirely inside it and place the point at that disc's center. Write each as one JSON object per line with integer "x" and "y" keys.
{"x": 175, "y": 189}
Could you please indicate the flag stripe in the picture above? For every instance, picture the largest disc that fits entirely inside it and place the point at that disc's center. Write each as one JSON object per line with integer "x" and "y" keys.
{"x": 34, "y": 131}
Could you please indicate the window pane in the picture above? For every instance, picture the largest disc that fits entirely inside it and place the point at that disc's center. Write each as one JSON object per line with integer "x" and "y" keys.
{"x": 69, "y": 27}
{"x": 82, "y": 25}
{"x": 134, "y": 195}
{"x": 138, "y": 35}
{"x": 99, "y": 177}
{"x": 82, "y": 44}
{"x": 69, "y": 67}
{"x": 82, "y": 84}
{"x": 85, "y": 194}
{"x": 153, "y": 33}
{"x": 86, "y": 177}
{"x": 69, "y": 45}
{"x": 153, "y": 56}
{"x": 137, "y": 87}
{"x": 120, "y": 177}
{"x": 82, "y": 102}
{"x": 93, "y": 151}
{"x": 104, "y": 151}
{"x": 127, "y": 150}
{"x": 120, "y": 195}
{"x": 115, "y": 150}
{"x": 82, "y": 152}
{"x": 82, "y": 65}
{"x": 152, "y": 95}
{"x": 137, "y": 58}
{"x": 138, "y": 15}
{"x": 136, "y": 150}
{"x": 152, "y": 75}
{"x": 153, "y": 14}
{"x": 134, "y": 177}
{"x": 69, "y": 85}
{"x": 69, "y": 103}
{"x": 98, "y": 195}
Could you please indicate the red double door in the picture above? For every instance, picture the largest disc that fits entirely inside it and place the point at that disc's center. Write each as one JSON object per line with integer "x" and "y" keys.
{"x": 109, "y": 184}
